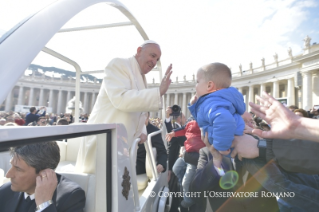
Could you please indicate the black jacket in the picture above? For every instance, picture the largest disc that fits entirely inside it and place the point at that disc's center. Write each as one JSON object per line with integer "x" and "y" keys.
{"x": 294, "y": 155}
{"x": 68, "y": 197}
{"x": 173, "y": 146}
{"x": 207, "y": 179}
{"x": 158, "y": 143}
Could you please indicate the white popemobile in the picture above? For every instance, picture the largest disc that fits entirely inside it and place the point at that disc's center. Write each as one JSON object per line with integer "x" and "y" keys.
{"x": 114, "y": 186}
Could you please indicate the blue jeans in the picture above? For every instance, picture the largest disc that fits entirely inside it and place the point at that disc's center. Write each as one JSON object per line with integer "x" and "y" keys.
{"x": 305, "y": 187}
{"x": 184, "y": 177}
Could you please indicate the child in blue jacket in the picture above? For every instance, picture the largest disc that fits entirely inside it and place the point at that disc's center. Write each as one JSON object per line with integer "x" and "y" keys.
{"x": 219, "y": 107}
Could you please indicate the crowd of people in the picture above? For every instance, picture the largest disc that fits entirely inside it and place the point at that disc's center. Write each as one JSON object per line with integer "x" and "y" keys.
{"x": 272, "y": 150}
{"x": 33, "y": 118}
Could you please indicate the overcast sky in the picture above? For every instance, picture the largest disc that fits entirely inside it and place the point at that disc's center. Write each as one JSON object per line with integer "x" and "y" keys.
{"x": 191, "y": 33}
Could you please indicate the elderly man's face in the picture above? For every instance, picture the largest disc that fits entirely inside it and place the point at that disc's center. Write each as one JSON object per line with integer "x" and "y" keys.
{"x": 22, "y": 176}
{"x": 147, "y": 57}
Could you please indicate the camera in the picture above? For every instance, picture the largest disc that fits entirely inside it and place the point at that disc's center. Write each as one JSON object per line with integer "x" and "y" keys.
{"x": 176, "y": 110}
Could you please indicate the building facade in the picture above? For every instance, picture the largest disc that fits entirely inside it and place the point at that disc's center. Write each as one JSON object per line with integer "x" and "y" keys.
{"x": 294, "y": 80}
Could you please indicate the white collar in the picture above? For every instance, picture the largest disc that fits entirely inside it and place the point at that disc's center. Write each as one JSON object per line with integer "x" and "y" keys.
{"x": 27, "y": 195}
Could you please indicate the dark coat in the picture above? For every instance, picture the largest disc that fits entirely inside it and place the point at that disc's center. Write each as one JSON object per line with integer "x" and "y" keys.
{"x": 207, "y": 179}
{"x": 68, "y": 197}
{"x": 158, "y": 143}
{"x": 173, "y": 146}
{"x": 294, "y": 155}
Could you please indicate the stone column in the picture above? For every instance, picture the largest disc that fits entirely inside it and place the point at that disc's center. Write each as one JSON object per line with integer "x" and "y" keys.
{"x": 85, "y": 102}
{"x": 307, "y": 90}
{"x": 51, "y": 99}
{"x": 31, "y": 94}
{"x": 59, "y": 102}
{"x": 176, "y": 99}
{"x": 8, "y": 102}
{"x": 262, "y": 89}
{"x": 184, "y": 105}
{"x": 250, "y": 97}
{"x": 167, "y": 100}
{"x": 41, "y": 97}
{"x": 93, "y": 100}
{"x": 291, "y": 92}
{"x": 275, "y": 90}
{"x": 68, "y": 97}
{"x": 21, "y": 96}
{"x": 240, "y": 89}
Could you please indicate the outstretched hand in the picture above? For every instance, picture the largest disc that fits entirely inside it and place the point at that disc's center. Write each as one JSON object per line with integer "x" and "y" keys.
{"x": 169, "y": 136}
{"x": 282, "y": 121}
{"x": 166, "y": 81}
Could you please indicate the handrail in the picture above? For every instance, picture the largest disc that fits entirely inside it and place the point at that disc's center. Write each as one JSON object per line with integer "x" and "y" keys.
{"x": 150, "y": 155}
{"x": 133, "y": 153}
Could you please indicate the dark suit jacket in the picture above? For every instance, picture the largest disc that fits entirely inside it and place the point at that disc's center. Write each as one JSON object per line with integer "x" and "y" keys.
{"x": 207, "y": 179}
{"x": 173, "y": 146}
{"x": 158, "y": 143}
{"x": 68, "y": 197}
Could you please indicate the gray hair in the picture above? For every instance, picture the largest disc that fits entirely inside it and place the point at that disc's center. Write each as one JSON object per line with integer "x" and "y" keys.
{"x": 43, "y": 155}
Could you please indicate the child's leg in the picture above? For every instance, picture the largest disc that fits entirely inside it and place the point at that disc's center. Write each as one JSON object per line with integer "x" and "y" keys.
{"x": 179, "y": 169}
{"x": 188, "y": 177}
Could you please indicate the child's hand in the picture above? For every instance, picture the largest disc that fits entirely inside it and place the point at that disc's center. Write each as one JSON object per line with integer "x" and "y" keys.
{"x": 169, "y": 136}
{"x": 193, "y": 100}
{"x": 217, "y": 157}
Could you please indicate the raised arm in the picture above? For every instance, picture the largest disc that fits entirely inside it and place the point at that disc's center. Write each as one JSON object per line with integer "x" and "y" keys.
{"x": 284, "y": 123}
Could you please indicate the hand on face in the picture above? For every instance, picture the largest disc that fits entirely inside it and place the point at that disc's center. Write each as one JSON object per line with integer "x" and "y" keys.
{"x": 193, "y": 100}
{"x": 166, "y": 81}
{"x": 46, "y": 184}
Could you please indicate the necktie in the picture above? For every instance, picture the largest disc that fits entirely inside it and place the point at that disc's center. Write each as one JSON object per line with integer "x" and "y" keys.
{"x": 25, "y": 204}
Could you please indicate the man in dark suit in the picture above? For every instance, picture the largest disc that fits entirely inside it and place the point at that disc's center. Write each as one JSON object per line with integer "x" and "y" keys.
{"x": 207, "y": 179}
{"x": 161, "y": 153}
{"x": 35, "y": 186}
{"x": 174, "y": 147}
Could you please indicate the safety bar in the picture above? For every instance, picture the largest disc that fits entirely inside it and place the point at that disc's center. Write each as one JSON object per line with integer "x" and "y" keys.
{"x": 150, "y": 155}
{"x": 133, "y": 153}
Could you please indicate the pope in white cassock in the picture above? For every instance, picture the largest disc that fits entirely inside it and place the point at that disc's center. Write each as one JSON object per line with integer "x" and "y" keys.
{"x": 124, "y": 98}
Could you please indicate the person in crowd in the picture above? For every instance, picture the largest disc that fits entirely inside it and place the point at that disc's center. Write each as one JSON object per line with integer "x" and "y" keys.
{"x": 192, "y": 144}
{"x": 84, "y": 117}
{"x": 10, "y": 124}
{"x": 207, "y": 179}
{"x": 34, "y": 184}
{"x": 124, "y": 98}
{"x": 173, "y": 153}
{"x": 292, "y": 108}
{"x": 42, "y": 121}
{"x": 301, "y": 113}
{"x": 10, "y": 118}
{"x": 314, "y": 112}
{"x": 3, "y": 121}
{"x": 157, "y": 142}
{"x": 62, "y": 121}
{"x": 18, "y": 120}
{"x": 219, "y": 107}
{"x": 33, "y": 115}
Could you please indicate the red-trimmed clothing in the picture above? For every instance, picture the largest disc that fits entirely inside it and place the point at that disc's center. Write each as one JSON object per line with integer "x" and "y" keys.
{"x": 192, "y": 132}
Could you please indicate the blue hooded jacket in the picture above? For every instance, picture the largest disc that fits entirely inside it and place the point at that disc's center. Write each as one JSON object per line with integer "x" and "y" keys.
{"x": 219, "y": 114}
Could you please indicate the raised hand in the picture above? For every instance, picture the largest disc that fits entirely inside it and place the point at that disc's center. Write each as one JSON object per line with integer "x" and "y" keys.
{"x": 282, "y": 121}
{"x": 166, "y": 81}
